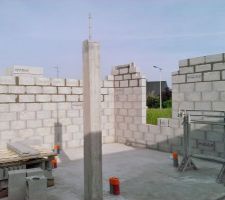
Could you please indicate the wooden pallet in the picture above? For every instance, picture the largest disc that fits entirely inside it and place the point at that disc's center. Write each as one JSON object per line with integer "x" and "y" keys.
{"x": 8, "y": 156}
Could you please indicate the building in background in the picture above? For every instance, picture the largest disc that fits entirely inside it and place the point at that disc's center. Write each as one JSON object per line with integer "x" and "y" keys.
{"x": 20, "y": 70}
{"x": 153, "y": 88}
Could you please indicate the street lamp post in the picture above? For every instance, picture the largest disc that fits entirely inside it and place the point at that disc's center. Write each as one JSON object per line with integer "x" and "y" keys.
{"x": 160, "y": 85}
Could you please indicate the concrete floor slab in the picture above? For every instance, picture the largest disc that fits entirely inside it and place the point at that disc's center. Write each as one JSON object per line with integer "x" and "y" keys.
{"x": 144, "y": 175}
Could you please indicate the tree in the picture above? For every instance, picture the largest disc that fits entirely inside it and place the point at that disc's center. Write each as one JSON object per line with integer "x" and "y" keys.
{"x": 166, "y": 94}
{"x": 152, "y": 102}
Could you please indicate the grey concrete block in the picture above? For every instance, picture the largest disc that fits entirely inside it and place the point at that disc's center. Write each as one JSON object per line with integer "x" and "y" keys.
{"x": 48, "y": 174}
{"x": 219, "y": 66}
{"x": 201, "y": 68}
{"x": 35, "y": 172}
{"x": 212, "y": 76}
{"x": 219, "y": 85}
{"x": 196, "y": 77}
{"x": 187, "y": 87}
{"x": 178, "y": 79}
{"x": 210, "y": 96}
{"x": 220, "y": 147}
{"x": 16, "y": 184}
{"x": 220, "y": 106}
{"x": 183, "y": 62}
{"x": 186, "y": 70}
{"x": 36, "y": 188}
{"x": 203, "y": 86}
{"x": 197, "y": 60}
{"x": 214, "y": 58}
{"x": 1, "y": 174}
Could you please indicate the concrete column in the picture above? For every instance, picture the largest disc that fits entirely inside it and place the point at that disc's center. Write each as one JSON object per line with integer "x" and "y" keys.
{"x": 92, "y": 122}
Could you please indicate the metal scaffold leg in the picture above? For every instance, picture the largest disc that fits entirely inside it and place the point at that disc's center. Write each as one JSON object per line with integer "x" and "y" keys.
{"x": 187, "y": 164}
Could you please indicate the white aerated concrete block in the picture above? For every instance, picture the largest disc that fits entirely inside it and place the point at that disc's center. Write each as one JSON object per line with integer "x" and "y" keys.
{"x": 64, "y": 90}
{"x": 108, "y": 84}
{"x": 58, "y": 98}
{"x": 43, "y": 114}
{"x": 5, "y": 98}
{"x": 17, "y": 89}
{"x": 42, "y": 81}
{"x": 34, "y": 123}
{"x": 183, "y": 63}
{"x": 57, "y": 82}
{"x": 3, "y": 89}
{"x": 34, "y": 89}
{"x": 43, "y": 98}
{"x": 77, "y": 90}
{"x": 124, "y": 83}
{"x": 26, "y": 98}
{"x": 49, "y": 106}
{"x": 33, "y": 106}
{"x": 115, "y": 71}
{"x": 123, "y": 70}
{"x": 26, "y": 80}
{"x": 4, "y": 126}
{"x": 49, "y": 90}
{"x": 118, "y": 78}
{"x": 7, "y": 116}
{"x": 72, "y": 82}
{"x": 26, "y": 115}
{"x": 7, "y": 80}
{"x": 133, "y": 83}
{"x": 72, "y": 98}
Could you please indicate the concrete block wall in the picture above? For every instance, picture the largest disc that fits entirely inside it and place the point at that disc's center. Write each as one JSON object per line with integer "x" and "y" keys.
{"x": 130, "y": 102}
{"x": 199, "y": 85}
{"x": 43, "y": 109}
{"x": 48, "y": 111}
{"x": 130, "y": 114}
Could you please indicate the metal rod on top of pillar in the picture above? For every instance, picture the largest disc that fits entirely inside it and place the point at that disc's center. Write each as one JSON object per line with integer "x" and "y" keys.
{"x": 92, "y": 121}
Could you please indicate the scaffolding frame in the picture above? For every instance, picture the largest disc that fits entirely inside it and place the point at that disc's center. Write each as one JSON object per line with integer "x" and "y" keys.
{"x": 187, "y": 162}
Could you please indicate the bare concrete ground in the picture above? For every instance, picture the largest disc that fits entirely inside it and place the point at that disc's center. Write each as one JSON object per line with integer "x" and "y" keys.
{"x": 144, "y": 175}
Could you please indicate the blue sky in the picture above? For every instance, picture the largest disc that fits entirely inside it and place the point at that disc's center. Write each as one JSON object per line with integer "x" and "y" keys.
{"x": 149, "y": 32}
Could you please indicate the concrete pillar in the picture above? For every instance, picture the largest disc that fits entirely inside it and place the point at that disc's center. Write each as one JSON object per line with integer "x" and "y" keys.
{"x": 92, "y": 122}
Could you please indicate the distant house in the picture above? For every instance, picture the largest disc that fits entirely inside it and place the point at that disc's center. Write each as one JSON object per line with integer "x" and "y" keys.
{"x": 153, "y": 88}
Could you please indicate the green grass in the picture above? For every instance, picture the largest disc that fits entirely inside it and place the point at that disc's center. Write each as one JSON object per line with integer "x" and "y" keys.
{"x": 154, "y": 113}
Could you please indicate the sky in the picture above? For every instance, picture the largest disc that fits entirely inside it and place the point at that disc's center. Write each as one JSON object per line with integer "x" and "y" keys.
{"x": 50, "y": 33}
